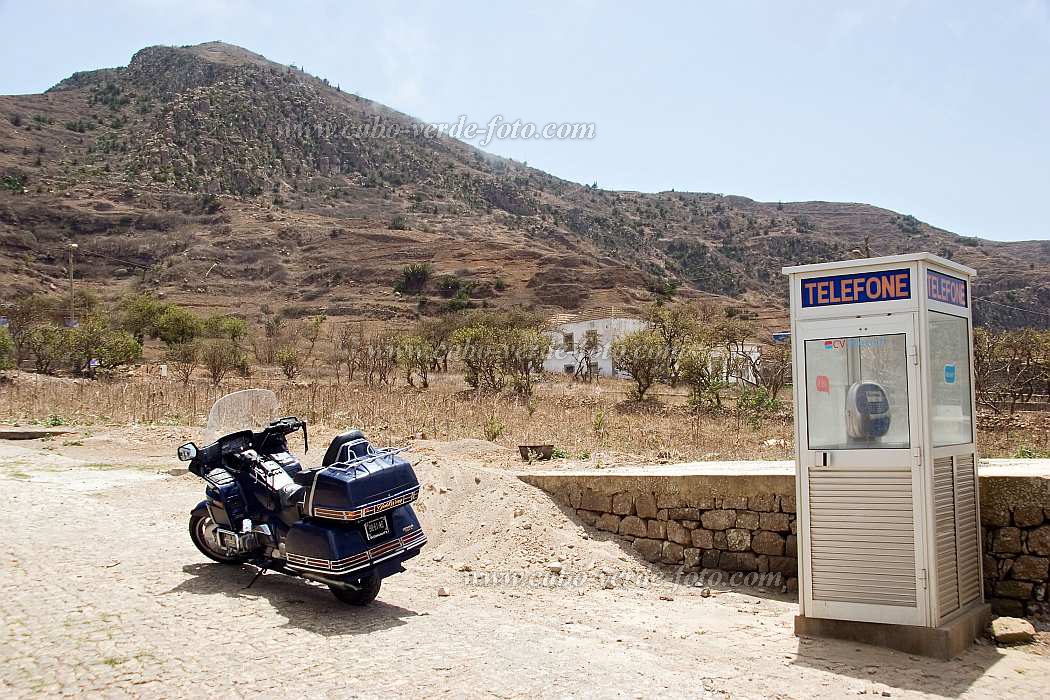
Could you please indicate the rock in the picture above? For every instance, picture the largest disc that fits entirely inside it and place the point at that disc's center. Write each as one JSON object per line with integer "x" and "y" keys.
{"x": 1039, "y": 540}
{"x": 608, "y": 522}
{"x": 591, "y": 500}
{"x": 677, "y": 533}
{"x": 666, "y": 597}
{"x": 787, "y": 503}
{"x": 622, "y": 504}
{"x": 443, "y": 592}
{"x": 737, "y": 561}
{"x": 710, "y": 559}
{"x": 768, "y": 543}
{"x": 738, "y": 540}
{"x": 1028, "y": 516}
{"x": 747, "y": 520}
{"x": 463, "y": 567}
{"x": 661, "y": 514}
{"x": 994, "y": 515}
{"x": 634, "y": 526}
{"x": 1029, "y": 568}
{"x": 705, "y": 593}
{"x": 791, "y": 546}
{"x": 518, "y": 512}
{"x": 477, "y": 479}
{"x": 763, "y": 502}
{"x": 650, "y": 550}
{"x": 1012, "y": 630}
{"x": 645, "y": 506}
{"x": 657, "y": 529}
{"x": 691, "y": 557}
{"x": 718, "y": 519}
{"x": 669, "y": 500}
{"x": 734, "y": 503}
{"x": 438, "y": 557}
{"x": 683, "y": 513}
{"x": 587, "y": 517}
{"x": 608, "y": 585}
{"x": 1007, "y": 540}
{"x": 1014, "y": 589}
{"x": 554, "y": 567}
{"x": 1005, "y": 606}
{"x": 720, "y": 540}
{"x": 673, "y": 553}
{"x": 783, "y": 565}
{"x": 777, "y": 522}
{"x": 702, "y": 539}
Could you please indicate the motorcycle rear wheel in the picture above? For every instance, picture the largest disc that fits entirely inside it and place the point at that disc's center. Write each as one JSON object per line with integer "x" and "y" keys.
{"x": 369, "y": 589}
{"x": 201, "y": 527}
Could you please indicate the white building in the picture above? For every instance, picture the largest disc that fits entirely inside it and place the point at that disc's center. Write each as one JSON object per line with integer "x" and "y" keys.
{"x": 577, "y": 339}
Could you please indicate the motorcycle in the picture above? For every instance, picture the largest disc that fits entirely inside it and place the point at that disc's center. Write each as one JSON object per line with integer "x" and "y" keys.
{"x": 347, "y": 524}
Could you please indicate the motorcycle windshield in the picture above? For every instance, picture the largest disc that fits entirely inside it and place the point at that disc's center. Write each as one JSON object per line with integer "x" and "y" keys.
{"x": 249, "y": 409}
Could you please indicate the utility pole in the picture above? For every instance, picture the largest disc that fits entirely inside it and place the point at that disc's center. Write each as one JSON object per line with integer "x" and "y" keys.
{"x": 72, "y": 297}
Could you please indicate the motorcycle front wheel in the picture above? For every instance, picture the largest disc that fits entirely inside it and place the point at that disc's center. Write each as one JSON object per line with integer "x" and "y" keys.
{"x": 365, "y": 594}
{"x": 202, "y": 532}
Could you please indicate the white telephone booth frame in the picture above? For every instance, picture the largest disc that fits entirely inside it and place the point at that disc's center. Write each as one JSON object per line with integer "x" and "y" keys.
{"x": 853, "y": 504}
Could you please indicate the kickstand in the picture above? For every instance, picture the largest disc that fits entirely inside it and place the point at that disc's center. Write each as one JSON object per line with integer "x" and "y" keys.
{"x": 262, "y": 570}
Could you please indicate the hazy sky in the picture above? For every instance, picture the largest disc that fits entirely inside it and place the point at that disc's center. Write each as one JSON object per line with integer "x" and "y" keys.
{"x": 936, "y": 109}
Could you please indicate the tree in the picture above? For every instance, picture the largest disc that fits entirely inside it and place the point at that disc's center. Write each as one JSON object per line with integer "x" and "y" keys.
{"x": 585, "y": 354}
{"x": 7, "y": 349}
{"x": 702, "y": 368}
{"x": 94, "y": 345}
{"x": 183, "y": 360}
{"x": 222, "y": 326}
{"x": 526, "y": 349}
{"x": 47, "y": 346}
{"x": 138, "y": 314}
{"x": 675, "y": 324}
{"x": 642, "y": 356}
{"x": 23, "y": 315}
{"x": 220, "y": 356}
{"x": 415, "y": 355}
{"x": 479, "y": 350}
{"x": 177, "y": 325}
{"x": 290, "y": 361}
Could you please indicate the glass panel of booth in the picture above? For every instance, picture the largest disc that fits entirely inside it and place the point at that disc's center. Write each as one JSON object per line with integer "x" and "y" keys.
{"x": 857, "y": 393}
{"x": 951, "y": 409}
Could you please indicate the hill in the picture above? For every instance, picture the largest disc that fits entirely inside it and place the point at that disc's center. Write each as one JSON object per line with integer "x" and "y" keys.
{"x": 214, "y": 177}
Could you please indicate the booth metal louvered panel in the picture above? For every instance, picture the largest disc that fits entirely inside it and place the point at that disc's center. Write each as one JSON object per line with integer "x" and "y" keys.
{"x": 862, "y": 536}
{"x": 945, "y": 540}
{"x": 966, "y": 536}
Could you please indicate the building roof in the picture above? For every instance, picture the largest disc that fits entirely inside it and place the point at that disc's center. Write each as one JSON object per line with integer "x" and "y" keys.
{"x": 596, "y": 314}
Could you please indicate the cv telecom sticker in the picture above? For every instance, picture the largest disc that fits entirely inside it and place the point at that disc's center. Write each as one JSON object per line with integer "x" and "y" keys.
{"x": 840, "y": 343}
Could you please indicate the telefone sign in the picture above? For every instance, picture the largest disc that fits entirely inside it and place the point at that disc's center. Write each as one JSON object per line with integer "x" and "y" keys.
{"x": 856, "y": 288}
{"x": 945, "y": 288}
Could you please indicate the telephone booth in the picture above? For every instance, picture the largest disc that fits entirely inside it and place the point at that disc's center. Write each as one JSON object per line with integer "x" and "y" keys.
{"x": 886, "y": 477}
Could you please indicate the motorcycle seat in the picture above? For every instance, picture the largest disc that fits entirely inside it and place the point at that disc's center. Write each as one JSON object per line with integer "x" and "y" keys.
{"x": 305, "y": 477}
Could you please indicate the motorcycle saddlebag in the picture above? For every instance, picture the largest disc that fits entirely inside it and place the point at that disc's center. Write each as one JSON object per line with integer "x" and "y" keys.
{"x": 378, "y": 544}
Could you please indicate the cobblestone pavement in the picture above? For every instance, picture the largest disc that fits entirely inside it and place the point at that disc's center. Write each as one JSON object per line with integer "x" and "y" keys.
{"x": 103, "y": 593}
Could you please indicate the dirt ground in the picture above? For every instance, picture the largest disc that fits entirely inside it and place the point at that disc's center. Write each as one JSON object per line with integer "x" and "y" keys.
{"x": 103, "y": 592}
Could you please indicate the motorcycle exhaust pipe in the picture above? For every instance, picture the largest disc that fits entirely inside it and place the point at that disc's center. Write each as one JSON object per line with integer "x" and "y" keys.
{"x": 330, "y": 582}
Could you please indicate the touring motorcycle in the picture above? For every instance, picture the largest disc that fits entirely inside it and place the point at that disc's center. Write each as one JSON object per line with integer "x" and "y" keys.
{"x": 348, "y": 523}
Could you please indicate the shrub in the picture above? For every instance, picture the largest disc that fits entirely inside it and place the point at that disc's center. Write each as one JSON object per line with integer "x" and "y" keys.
{"x": 415, "y": 355}
{"x": 221, "y": 326}
{"x": 220, "y": 356}
{"x": 94, "y": 341}
{"x": 414, "y": 278}
{"x": 138, "y": 314}
{"x": 176, "y": 325}
{"x": 642, "y": 356}
{"x": 526, "y": 349}
{"x": 7, "y": 349}
{"x": 399, "y": 223}
{"x": 47, "y": 346}
{"x": 290, "y": 361}
{"x": 183, "y": 360}
{"x": 493, "y": 428}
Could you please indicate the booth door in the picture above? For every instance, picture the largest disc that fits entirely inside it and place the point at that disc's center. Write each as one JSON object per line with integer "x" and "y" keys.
{"x": 861, "y": 475}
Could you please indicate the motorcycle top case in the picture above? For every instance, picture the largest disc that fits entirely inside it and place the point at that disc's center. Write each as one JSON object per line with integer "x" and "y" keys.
{"x": 361, "y": 489}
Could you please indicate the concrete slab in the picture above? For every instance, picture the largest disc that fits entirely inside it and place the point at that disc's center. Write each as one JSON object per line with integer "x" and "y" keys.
{"x": 31, "y": 433}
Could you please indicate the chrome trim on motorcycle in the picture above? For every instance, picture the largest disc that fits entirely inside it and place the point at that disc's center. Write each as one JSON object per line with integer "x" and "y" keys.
{"x": 357, "y": 561}
{"x": 368, "y": 509}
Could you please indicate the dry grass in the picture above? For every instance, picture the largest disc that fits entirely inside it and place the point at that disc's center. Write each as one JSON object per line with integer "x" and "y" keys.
{"x": 585, "y": 421}
{"x": 582, "y": 420}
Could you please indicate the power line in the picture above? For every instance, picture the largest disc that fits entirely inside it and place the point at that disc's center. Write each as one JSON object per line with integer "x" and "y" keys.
{"x": 1015, "y": 308}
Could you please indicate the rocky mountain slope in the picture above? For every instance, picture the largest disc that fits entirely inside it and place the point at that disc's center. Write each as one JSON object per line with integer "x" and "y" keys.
{"x": 222, "y": 180}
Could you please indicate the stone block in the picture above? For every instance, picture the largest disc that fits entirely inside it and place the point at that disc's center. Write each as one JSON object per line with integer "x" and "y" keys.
{"x": 609, "y": 522}
{"x": 787, "y": 503}
{"x": 683, "y": 514}
{"x": 710, "y": 559}
{"x": 791, "y": 546}
{"x": 645, "y": 506}
{"x": 1028, "y": 516}
{"x": 737, "y": 561}
{"x": 690, "y": 524}
{"x": 661, "y": 514}
{"x": 634, "y": 526}
{"x": 670, "y": 500}
{"x": 738, "y": 539}
{"x": 776, "y": 522}
{"x": 673, "y": 553}
{"x": 587, "y": 517}
{"x": 650, "y": 550}
{"x": 1006, "y": 606}
{"x": 703, "y": 539}
{"x": 574, "y": 496}
{"x": 592, "y": 500}
{"x": 763, "y": 563}
{"x": 794, "y": 527}
{"x": 994, "y": 515}
{"x": 747, "y": 519}
{"x": 1029, "y": 568}
{"x": 718, "y": 519}
{"x": 677, "y": 533}
{"x": 1021, "y": 590}
{"x": 691, "y": 557}
{"x": 1012, "y": 630}
{"x": 734, "y": 503}
{"x": 763, "y": 502}
{"x": 1039, "y": 541}
{"x": 657, "y": 529}
{"x": 784, "y": 565}
{"x": 622, "y": 504}
{"x": 703, "y": 503}
{"x": 720, "y": 540}
{"x": 1007, "y": 540}
{"x": 765, "y": 542}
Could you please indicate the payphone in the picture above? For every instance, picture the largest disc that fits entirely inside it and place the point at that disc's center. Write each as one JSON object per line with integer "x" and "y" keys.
{"x": 886, "y": 466}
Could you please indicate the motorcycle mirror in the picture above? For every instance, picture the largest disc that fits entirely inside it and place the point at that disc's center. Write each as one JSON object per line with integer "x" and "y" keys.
{"x": 187, "y": 452}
